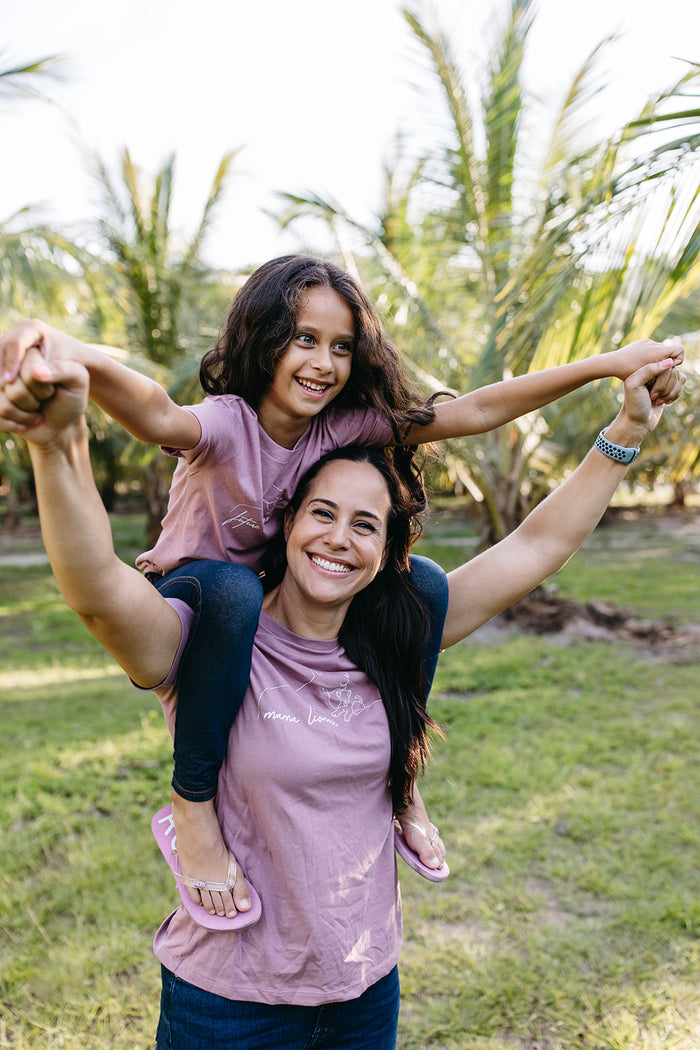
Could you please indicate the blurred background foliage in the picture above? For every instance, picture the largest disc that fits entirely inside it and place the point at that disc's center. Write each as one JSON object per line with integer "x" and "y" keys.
{"x": 511, "y": 238}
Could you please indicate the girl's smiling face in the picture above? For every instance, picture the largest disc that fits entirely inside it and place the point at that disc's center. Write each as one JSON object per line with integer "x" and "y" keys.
{"x": 313, "y": 369}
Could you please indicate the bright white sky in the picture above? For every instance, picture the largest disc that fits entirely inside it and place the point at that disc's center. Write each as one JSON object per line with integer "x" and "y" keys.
{"x": 312, "y": 92}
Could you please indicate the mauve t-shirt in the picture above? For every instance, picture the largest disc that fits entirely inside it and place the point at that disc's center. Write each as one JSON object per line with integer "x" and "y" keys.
{"x": 228, "y": 493}
{"x": 304, "y": 805}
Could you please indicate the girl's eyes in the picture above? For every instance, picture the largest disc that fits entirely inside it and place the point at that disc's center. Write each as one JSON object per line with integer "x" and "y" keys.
{"x": 341, "y": 347}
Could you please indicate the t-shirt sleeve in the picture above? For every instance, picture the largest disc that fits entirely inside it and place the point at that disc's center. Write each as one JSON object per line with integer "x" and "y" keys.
{"x": 185, "y": 615}
{"x": 218, "y": 416}
{"x": 360, "y": 427}
{"x": 186, "y": 453}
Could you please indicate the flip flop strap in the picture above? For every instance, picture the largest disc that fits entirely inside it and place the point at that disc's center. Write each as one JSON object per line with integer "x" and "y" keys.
{"x": 432, "y": 839}
{"x": 212, "y": 887}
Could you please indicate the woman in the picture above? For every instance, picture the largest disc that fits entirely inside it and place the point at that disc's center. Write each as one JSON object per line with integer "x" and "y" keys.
{"x": 326, "y": 752}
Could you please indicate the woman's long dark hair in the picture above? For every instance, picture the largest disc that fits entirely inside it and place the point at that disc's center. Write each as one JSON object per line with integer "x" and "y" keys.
{"x": 262, "y": 322}
{"x": 386, "y": 627}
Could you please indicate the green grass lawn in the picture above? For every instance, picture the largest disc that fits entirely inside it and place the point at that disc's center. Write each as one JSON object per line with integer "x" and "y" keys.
{"x": 567, "y": 789}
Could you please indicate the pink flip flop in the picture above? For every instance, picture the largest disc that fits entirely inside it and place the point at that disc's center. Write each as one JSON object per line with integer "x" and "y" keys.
{"x": 163, "y": 829}
{"x": 414, "y": 861}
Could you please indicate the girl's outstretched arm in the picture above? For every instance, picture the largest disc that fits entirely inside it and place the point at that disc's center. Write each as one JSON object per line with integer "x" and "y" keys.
{"x": 491, "y": 406}
{"x": 117, "y": 604}
{"x": 138, "y": 403}
{"x": 555, "y": 529}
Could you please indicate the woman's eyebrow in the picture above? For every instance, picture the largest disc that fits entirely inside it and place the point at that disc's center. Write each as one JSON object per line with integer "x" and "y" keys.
{"x": 331, "y": 503}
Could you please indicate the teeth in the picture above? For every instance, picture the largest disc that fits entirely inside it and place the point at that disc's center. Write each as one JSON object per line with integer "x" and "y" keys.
{"x": 316, "y": 387}
{"x": 330, "y": 566}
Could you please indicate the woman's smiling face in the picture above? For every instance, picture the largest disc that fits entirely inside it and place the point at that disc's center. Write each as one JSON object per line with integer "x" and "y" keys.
{"x": 336, "y": 541}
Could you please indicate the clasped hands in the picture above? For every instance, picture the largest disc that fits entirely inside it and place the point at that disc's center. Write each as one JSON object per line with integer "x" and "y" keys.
{"x": 44, "y": 398}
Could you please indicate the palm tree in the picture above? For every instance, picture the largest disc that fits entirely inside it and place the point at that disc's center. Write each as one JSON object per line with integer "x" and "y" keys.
{"x": 32, "y": 275}
{"x": 495, "y": 261}
{"x": 157, "y": 280}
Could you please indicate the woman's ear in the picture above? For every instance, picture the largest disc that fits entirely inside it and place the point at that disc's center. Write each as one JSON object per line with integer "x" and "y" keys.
{"x": 385, "y": 556}
{"x": 289, "y": 513}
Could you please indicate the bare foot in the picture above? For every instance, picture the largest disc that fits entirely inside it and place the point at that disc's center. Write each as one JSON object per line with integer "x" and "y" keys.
{"x": 203, "y": 856}
{"x": 424, "y": 839}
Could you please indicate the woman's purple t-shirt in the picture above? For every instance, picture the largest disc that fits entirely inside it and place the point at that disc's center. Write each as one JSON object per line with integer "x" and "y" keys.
{"x": 304, "y": 805}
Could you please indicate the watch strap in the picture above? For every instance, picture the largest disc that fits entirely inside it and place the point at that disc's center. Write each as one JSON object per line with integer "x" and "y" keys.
{"x": 619, "y": 453}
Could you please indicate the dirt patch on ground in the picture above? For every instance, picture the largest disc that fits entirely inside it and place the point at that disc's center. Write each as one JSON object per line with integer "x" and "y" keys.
{"x": 569, "y": 622}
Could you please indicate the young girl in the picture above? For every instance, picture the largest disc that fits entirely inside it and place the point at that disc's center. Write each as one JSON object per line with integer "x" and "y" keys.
{"x": 301, "y": 366}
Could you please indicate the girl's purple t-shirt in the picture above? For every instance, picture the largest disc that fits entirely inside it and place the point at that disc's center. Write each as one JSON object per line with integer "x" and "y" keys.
{"x": 304, "y": 805}
{"x": 228, "y": 493}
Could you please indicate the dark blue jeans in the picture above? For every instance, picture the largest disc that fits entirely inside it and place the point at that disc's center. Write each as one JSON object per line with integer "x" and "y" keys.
{"x": 226, "y": 599}
{"x": 431, "y": 581}
{"x": 213, "y": 676}
{"x": 192, "y": 1019}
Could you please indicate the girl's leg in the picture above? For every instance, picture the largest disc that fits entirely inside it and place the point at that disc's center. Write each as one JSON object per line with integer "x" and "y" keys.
{"x": 431, "y": 581}
{"x": 215, "y": 667}
{"x": 212, "y": 680}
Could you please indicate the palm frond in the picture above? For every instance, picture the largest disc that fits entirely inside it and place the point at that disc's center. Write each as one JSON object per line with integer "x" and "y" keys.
{"x": 216, "y": 193}
{"x": 25, "y": 79}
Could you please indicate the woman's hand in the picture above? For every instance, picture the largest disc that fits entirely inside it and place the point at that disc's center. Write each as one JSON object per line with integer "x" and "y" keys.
{"x": 642, "y": 408}
{"x": 44, "y": 399}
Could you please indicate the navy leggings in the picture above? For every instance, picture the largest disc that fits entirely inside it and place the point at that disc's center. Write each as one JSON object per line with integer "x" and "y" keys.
{"x": 226, "y": 599}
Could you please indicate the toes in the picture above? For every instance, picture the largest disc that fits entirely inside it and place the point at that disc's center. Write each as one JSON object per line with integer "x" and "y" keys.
{"x": 195, "y": 895}
{"x": 241, "y": 894}
{"x": 213, "y": 902}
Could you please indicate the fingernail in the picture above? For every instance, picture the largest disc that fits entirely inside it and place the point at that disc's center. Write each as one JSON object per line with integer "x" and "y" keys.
{"x": 7, "y": 377}
{"x": 38, "y": 420}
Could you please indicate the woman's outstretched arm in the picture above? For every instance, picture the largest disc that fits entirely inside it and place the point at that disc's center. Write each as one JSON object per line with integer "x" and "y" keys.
{"x": 117, "y": 604}
{"x": 556, "y": 528}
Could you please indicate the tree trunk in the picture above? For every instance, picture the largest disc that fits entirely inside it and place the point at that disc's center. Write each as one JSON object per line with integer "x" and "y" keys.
{"x": 158, "y": 476}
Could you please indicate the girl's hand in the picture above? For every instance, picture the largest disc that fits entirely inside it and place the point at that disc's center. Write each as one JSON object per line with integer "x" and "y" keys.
{"x": 628, "y": 359}
{"x": 35, "y": 335}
